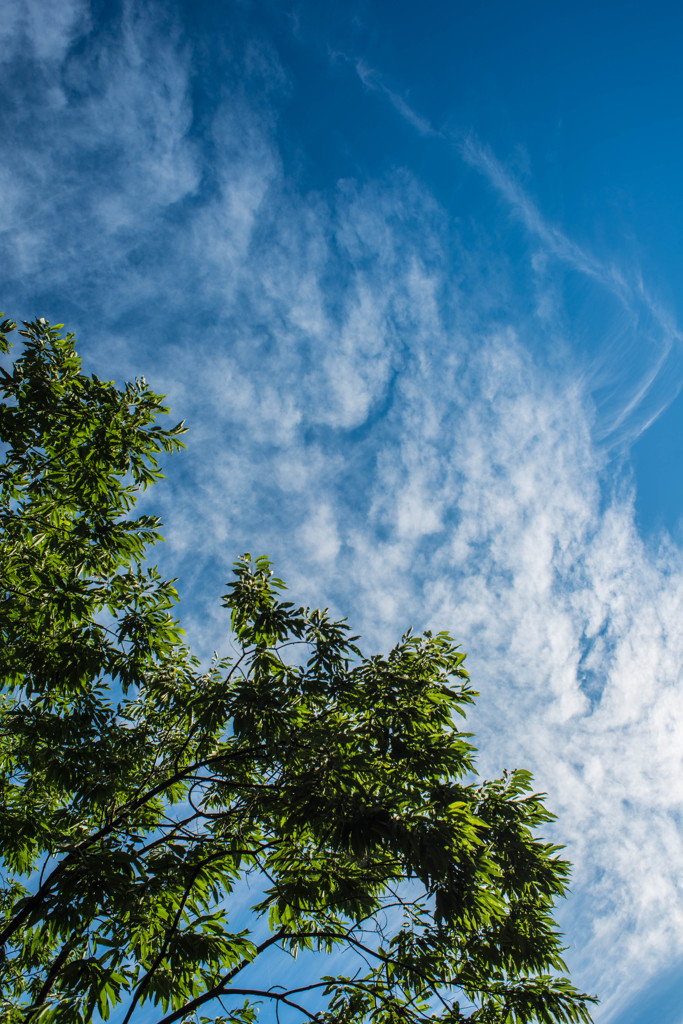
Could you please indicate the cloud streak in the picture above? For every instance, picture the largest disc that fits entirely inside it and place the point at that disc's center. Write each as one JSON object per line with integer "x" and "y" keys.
{"x": 373, "y": 80}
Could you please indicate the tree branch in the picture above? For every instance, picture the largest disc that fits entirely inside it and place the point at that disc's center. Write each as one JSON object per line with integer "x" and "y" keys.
{"x": 146, "y": 978}
{"x": 261, "y": 993}
{"x": 52, "y": 975}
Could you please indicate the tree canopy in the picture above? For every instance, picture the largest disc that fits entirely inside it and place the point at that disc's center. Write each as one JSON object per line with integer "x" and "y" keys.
{"x": 297, "y": 829}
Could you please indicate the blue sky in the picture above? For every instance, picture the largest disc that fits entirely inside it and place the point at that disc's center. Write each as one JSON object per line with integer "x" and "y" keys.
{"x": 412, "y": 273}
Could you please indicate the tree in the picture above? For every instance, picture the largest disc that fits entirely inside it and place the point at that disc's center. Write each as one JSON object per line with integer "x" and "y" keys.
{"x": 145, "y": 798}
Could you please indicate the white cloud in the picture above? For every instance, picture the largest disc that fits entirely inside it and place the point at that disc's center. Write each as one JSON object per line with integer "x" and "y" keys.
{"x": 320, "y": 535}
{"x": 48, "y": 29}
{"x": 97, "y": 148}
{"x": 477, "y": 502}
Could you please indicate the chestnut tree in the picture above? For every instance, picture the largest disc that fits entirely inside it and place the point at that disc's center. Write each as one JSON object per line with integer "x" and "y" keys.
{"x": 146, "y": 800}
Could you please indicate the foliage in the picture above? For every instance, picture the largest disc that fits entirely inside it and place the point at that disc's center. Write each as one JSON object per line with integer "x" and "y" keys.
{"x": 145, "y": 799}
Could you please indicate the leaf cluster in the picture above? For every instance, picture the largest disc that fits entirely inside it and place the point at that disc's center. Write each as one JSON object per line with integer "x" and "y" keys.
{"x": 140, "y": 792}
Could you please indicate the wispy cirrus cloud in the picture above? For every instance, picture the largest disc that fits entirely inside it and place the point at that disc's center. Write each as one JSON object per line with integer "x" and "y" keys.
{"x": 638, "y": 368}
{"x": 373, "y": 80}
{"x": 652, "y": 376}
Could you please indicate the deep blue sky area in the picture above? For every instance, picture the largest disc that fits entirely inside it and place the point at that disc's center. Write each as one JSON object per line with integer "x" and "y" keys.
{"x": 413, "y": 273}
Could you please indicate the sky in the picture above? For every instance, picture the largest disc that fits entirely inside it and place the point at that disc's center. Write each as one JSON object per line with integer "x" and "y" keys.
{"x": 411, "y": 273}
